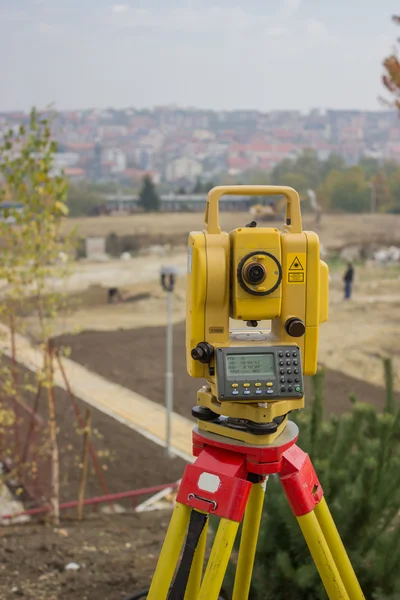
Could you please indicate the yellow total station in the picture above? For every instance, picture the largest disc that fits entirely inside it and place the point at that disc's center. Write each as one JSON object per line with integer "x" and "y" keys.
{"x": 253, "y": 274}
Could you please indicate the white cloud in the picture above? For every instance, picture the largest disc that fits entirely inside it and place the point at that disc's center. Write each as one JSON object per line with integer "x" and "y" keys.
{"x": 7, "y": 14}
{"x": 316, "y": 28}
{"x": 317, "y": 33}
{"x": 277, "y": 31}
{"x": 290, "y": 7}
{"x": 192, "y": 19}
{"x": 45, "y": 27}
{"x": 120, "y": 8}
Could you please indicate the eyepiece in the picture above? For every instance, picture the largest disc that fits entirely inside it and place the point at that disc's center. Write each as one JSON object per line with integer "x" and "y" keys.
{"x": 254, "y": 273}
{"x": 203, "y": 352}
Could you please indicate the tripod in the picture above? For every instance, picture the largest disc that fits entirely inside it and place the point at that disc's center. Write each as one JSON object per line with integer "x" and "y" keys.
{"x": 228, "y": 480}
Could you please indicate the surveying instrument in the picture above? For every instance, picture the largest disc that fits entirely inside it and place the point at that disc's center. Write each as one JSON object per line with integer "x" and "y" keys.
{"x": 254, "y": 379}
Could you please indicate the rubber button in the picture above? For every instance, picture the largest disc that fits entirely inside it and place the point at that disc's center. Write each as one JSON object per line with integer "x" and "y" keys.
{"x": 269, "y": 384}
{"x": 258, "y": 384}
{"x": 235, "y": 385}
{"x": 270, "y": 391}
{"x": 282, "y": 380}
{"x": 290, "y": 389}
{"x": 247, "y": 392}
{"x": 297, "y": 388}
{"x": 258, "y": 392}
{"x": 246, "y": 385}
{"x": 287, "y": 354}
{"x": 235, "y": 393}
{"x": 280, "y": 354}
{"x": 283, "y": 389}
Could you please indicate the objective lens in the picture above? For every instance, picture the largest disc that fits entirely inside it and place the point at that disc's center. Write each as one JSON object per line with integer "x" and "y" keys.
{"x": 254, "y": 273}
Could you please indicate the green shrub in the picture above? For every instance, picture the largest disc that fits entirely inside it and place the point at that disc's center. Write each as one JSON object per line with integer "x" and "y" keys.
{"x": 357, "y": 459}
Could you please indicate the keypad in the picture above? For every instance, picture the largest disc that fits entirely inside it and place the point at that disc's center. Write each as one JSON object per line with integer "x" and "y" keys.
{"x": 288, "y": 380}
{"x": 289, "y": 383}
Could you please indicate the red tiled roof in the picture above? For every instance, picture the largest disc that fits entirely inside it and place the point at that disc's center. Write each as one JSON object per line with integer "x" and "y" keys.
{"x": 80, "y": 146}
{"x": 74, "y": 171}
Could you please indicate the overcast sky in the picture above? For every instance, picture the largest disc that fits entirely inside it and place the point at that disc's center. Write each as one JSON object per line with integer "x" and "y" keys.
{"x": 221, "y": 54}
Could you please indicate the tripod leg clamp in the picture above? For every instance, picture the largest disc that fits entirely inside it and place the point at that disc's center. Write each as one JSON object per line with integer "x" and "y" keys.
{"x": 216, "y": 484}
{"x": 300, "y": 482}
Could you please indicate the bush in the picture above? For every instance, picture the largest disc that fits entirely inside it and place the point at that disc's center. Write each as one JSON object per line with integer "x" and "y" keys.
{"x": 357, "y": 459}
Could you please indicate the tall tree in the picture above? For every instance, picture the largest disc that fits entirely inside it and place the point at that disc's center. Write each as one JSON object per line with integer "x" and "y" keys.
{"x": 351, "y": 192}
{"x": 383, "y": 194}
{"x": 148, "y": 197}
{"x": 394, "y": 182}
{"x": 345, "y": 190}
{"x": 83, "y": 199}
{"x": 30, "y": 258}
{"x": 198, "y": 187}
{"x": 334, "y": 162}
{"x": 391, "y": 77}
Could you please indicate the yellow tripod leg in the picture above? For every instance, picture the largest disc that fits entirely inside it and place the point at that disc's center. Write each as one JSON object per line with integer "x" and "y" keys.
{"x": 322, "y": 556}
{"x": 170, "y": 553}
{"x": 248, "y": 542}
{"x": 218, "y": 561}
{"x": 338, "y": 551}
{"x": 196, "y": 572}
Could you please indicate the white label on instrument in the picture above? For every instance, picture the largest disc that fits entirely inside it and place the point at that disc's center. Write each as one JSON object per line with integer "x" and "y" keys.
{"x": 208, "y": 482}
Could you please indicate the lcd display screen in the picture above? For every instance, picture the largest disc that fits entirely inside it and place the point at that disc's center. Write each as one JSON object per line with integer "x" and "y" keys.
{"x": 243, "y": 365}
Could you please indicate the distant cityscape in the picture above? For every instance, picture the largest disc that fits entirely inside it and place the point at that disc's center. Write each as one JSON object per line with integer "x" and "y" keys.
{"x": 178, "y": 146}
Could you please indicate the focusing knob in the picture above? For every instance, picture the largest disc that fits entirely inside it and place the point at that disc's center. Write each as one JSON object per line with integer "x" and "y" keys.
{"x": 203, "y": 352}
{"x": 295, "y": 327}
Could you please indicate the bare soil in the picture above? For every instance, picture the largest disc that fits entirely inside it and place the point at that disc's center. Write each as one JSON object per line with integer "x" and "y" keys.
{"x": 135, "y": 359}
{"x": 128, "y": 460}
{"x": 116, "y": 552}
{"x": 116, "y": 555}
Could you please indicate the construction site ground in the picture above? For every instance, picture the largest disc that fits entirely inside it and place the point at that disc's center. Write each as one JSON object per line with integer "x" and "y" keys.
{"x": 116, "y": 556}
{"x": 134, "y": 358}
{"x": 115, "y": 548}
{"x": 125, "y": 342}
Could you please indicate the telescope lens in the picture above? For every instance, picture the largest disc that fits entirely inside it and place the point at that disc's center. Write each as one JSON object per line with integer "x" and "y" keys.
{"x": 254, "y": 273}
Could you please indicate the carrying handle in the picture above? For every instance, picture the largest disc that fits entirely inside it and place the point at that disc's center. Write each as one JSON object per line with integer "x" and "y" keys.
{"x": 293, "y": 214}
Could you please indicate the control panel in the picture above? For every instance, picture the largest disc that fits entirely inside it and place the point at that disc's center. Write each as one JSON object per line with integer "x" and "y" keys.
{"x": 258, "y": 374}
